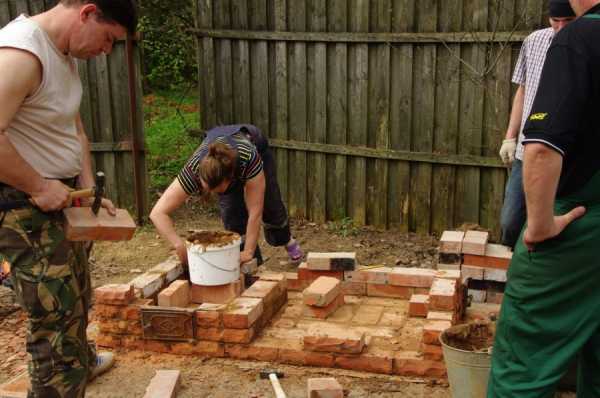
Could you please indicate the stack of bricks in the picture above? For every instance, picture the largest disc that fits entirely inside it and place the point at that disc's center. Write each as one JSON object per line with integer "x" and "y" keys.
{"x": 323, "y": 297}
{"x": 118, "y": 313}
{"x": 483, "y": 265}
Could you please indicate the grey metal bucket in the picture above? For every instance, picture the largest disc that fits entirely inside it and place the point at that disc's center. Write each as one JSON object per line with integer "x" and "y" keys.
{"x": 468, "y": 371}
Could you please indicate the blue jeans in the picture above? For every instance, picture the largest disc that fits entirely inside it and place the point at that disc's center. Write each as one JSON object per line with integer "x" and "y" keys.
{"x": 514, "y": 213}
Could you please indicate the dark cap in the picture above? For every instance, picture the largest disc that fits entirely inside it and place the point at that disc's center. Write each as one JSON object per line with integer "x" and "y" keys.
{"x": 560, "y": 9}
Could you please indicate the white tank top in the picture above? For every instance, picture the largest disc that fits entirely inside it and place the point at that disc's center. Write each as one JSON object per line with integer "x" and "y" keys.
{"x": 44, "y": 130}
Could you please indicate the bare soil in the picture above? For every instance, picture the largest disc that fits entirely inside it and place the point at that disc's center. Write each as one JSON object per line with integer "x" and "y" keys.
{"x": 121, "y": 261}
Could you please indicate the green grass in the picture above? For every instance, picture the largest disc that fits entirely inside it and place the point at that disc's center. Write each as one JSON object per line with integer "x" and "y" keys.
{"x": 168, "y": 115}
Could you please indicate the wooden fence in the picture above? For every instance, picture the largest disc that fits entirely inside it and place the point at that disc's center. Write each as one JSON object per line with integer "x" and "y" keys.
{"x": 111, "y": 111}
{"x": 390, "y": 112}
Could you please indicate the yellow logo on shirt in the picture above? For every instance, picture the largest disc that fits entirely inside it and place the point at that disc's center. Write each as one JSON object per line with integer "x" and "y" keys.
{"x": 538, "y": 116}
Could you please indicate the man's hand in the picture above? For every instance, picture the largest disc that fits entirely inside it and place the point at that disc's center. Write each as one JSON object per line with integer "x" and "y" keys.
{"x": 537, "y": 234}
{"x": 53, "y": 195}
{"x": 246, "y": 256}
{"x": 109, "y": 206}
{"x": 508, "y": 150}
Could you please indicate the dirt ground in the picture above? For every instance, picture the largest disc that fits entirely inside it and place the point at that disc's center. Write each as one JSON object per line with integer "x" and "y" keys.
{"x": 120, "y": 262}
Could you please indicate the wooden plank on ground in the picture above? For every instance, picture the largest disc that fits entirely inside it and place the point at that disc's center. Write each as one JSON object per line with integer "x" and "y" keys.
{"x": 358, "y": 107}
{"x": 337, "y": 107}
{"x": 317, "y": 112}
{"x": 297, "y": 103}
{"x": 401, "y": 116}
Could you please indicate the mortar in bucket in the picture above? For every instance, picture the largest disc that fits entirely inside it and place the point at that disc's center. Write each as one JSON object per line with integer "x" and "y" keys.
{"x": 213, "y": 257}
{"x": 467, "y": 353}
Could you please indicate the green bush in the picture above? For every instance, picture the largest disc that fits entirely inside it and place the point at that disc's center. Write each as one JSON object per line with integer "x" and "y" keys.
{"x": 169, "y": 49}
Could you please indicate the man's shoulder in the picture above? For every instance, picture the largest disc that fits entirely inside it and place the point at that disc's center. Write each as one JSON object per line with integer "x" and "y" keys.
{"x": 540, "y": 35}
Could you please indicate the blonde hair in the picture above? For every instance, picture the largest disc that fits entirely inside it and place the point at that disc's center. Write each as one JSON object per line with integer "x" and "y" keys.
{"x": 218, "y": 165}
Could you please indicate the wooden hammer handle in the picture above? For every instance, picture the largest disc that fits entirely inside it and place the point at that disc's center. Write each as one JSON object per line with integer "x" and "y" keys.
{"x": 84, "y": 193}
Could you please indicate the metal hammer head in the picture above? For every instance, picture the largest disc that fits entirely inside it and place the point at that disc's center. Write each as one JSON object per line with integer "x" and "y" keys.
{"x": 98, "y": 192}
{"x": 264, "y": 374}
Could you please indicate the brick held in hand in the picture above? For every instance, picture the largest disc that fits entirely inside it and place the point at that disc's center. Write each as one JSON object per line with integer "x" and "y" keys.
{"x": 341, "y": 261}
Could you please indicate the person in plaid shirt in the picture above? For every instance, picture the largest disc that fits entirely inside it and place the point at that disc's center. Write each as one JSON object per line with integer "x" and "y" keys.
{"x": 527, "y": 75}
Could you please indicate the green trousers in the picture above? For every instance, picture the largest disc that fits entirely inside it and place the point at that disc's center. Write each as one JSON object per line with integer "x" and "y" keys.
{"x": 52, "y": 284}
{"x": 551, "y": 309}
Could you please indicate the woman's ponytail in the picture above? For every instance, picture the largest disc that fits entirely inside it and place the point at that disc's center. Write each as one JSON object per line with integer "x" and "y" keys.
{"x": 218, "y": 165}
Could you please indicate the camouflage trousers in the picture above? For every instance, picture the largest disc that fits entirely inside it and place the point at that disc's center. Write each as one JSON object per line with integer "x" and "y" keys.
{"x": 52, "y": 284}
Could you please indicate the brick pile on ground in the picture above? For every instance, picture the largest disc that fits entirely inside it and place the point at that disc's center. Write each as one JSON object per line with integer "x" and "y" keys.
{"x": 483, "y": 265}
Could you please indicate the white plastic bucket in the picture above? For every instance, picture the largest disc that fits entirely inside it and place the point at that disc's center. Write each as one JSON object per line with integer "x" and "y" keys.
{"x": 214, "y": 265}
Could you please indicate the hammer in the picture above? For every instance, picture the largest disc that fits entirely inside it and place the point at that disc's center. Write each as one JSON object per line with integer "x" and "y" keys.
{"x": 96, "y": 192}
{"x": 274, "y": 376}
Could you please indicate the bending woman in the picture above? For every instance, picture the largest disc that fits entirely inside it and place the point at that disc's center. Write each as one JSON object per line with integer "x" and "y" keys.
{"x": 236, "y": 163}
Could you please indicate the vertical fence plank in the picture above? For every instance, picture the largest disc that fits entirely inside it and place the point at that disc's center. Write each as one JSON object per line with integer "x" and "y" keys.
{"x": 36, "y": 6}
{"x": 86, "y": 101}
{"x": 446, "y": 118}
{"x": 143, "y": 169}
{"x": 358, "y": 95}
{"x": 222, "y": 20}
{"x": 401, "y": 117}
{"x": 379, "y": 115}
{"x": 206, "y": 67}
{"x": 5, "y": 16}
{"x": 120, "y": 116}
{"x": 259, "y": 68}
{"x": 297, "y": 109}
{"x": 337, "y": 99}
{"x": 19, "y": 7}
{"x": 471, "y": 118}
{"x": 278, "y": 80}
{"x": 105, "y": 126}
{"x": 424, "y": 107}
{"x": 241, "y": 63}
{"x": 317, "y": 112}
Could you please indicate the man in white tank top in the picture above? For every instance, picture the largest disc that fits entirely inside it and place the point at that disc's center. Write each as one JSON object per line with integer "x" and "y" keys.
{"x": 44, "y": 152}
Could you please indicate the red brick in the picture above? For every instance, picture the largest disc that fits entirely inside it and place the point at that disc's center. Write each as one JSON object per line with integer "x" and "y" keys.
{"x": 320, "y": 359}
{"x": 242, "y": 312}
{"x": 252, "y": 352}
{"x": 133, "y": 312}
{"x": 331, "y": 261}
{"x": 494, "y": 297}
{"x": 135, "y": 328}
{"x": 221, "y": 294}
{"x": 132, "y": 343}
{"x": 494, "y": 274}
{"x": 106, "y": 311}
{"x": 294, "y": 283}
{"x": 376, "y": 290}
{"x": 176, "y": 295}
{"x": 332, "y": 338}
{"x": 81, "y": 224}
{"x": 411, "y": 277}
{"x": 432, "y": 352}
{"x": 451, "y": 242}
{"x": 114, "y": 294}
{"x": 471, "y": 272}
{"x": 432, "y": 331}
{"x": 274, "y": 277}
{"x": 108, "y": 340}
{"x": 323, "y": 312}
{"x": 149, "y": 283}
{"x": 209, "y": 334}
{"x": 350, "y": 288}
{"x": 413, "y": 367}
{"x": 448, "y": 274}
{"x": 292, "y": 356}
{"x": 443, "y": 295}
{"x": 418, "y": 306}
{"x": 164, "y": 384}
{"x": 486, "y": 262}
{"x": 210, "y": 315}
{"x": 325, "y": 388}
{"x": 202, "y": 348}
{"x": 475, "y": 242}
{"x": 266, "y": 290}
{"x": 157, "y": 346}
{"x": 440, "y": 316}
{"x": 305, "y": 274}
{"x": 113, "y": 326}
{"x": 365, "y": 363}
{"x": 238, "y": 336}
{"x": 322, "y": 291}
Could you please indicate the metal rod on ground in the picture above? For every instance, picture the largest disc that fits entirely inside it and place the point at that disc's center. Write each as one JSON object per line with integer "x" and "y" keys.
{"x": 279, "y": 393}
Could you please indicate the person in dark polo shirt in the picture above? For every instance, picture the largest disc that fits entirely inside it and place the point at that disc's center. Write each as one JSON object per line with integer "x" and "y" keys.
{"x": 551, "y": 307}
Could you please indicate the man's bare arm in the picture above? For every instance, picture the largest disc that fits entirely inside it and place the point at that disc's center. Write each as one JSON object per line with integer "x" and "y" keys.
{"x": 20, "y": 77}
